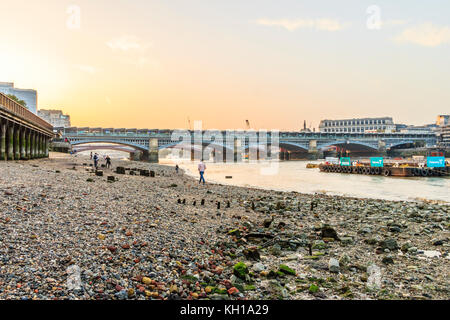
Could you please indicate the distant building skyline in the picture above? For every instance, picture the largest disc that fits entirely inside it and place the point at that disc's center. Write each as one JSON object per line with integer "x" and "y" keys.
{"x": 27, "y": 95}
{"x": 55, "y": 117}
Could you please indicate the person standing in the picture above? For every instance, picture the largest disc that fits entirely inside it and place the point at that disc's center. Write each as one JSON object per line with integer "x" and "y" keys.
{"x": 91, "y": 155}
{"x": 108, "y": 162}
{"x": 96, "y": 161}
{"x": 201, "y": 169}
{"x": 177, "y": 168}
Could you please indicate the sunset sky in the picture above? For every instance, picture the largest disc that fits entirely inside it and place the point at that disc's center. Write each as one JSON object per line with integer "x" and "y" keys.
{"x": 156, "y": 63}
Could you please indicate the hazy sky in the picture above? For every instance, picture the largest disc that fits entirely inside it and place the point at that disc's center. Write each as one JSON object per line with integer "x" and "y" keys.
{"x": 156, "y": 63}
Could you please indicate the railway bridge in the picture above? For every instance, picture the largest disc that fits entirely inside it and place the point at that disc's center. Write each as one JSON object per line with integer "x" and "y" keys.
{"x": 242, "y": 143}
{"x": 23, "y": 135}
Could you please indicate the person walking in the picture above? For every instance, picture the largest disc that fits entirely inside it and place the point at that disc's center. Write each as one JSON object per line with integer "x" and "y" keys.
{"x": 96, "y": 161}
{"x": 108, "y": 162}
{"x": 201, "y": 169}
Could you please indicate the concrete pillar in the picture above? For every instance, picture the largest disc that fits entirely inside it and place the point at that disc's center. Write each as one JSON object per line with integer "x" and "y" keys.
{"x": 153, "y": 151}
{"x": 3, "y": 155}
{"x": 42, "y": 145}
{"x": 382, "y": 147}
{"x": 22, "y": 144}
{"x": 33, "y": 142}
{"x": 46, "y": 143}
{"x": 28, "y": 136}
{"x": 312, "y": 146}
{"x": 16, "y": 142}
{"x": 33, "y": 145}
{"x": 25, "y": 142}
{"x": 10, "y": 141}
{"x": 39, "y": 145}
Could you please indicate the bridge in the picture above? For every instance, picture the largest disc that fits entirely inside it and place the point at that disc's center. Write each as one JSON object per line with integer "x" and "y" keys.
{"x": 23, "y": 135}
{"x": 217, "y": 143}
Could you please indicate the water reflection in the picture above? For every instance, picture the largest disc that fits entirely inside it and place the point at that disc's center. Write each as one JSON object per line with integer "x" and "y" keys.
{"x": 294, "y": 176}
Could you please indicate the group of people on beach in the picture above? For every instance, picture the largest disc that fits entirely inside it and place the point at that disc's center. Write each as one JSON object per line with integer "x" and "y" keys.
{"x": 201, "y": 166}
{"x": 96, "y": 158}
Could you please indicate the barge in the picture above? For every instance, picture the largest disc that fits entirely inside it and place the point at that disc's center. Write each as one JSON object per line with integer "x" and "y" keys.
{"x": 401, "y": 171}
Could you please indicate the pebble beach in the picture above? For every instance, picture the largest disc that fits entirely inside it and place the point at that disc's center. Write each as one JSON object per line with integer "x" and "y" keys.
{"x": 66, "y": 233}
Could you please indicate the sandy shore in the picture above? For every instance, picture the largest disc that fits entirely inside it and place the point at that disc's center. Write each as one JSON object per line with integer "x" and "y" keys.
{"x": 68, "y": 234}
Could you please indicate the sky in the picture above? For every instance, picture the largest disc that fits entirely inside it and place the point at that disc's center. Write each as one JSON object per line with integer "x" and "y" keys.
{"x": 161, "y": 63}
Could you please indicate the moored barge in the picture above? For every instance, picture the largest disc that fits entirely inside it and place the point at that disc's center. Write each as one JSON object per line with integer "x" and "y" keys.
{"x": 400, "y": 171}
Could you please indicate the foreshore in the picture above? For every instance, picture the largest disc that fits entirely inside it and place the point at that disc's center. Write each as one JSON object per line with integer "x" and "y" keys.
{"x": 68, "y": 234}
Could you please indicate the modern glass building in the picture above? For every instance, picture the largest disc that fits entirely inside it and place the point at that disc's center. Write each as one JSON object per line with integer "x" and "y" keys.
{"x": 27, "y": 95}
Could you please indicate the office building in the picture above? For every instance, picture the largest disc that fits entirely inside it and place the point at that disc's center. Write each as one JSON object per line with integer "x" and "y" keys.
{"x": 358, "y": 125}
{"x": 55, "y": 117}
{"x": 27, "y": 95}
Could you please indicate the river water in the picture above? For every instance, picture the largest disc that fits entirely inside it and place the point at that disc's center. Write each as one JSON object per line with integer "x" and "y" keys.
{"x": 294, "y": 176}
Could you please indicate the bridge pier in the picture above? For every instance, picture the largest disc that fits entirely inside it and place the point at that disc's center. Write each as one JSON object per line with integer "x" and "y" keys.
{"x": 34, "y": 146}
{"x": 41, "y": 146}
{"x": 10, "y": 143}
{"x": 16, "y": 125}
{"x": 22, "y": 143}
{"x": 16, "y": 143}
{"x": 3, "y": 155}
{"x": 153, "y": 151}
{"x": 28, "y": 148}
{"x": 46, "y": 147}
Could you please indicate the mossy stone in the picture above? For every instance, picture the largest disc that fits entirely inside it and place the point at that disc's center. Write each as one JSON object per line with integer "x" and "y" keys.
{"x": 240, "y": 270}
{"x": 286, "y": 270}
{"x": 313, "y": 288}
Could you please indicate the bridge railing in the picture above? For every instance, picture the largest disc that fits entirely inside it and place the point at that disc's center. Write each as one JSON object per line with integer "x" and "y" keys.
{"x": 23, "y": 112}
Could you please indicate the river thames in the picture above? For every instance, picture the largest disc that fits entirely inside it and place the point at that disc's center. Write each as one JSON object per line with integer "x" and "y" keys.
{"x": 294, "y": 176}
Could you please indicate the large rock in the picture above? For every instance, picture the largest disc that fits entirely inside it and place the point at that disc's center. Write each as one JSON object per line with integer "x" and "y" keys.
{"x": 120, "y": 170}
{"x": 333, "y": 265}
{"x": 390, "y": 244}
{"x": 329, "y": 232}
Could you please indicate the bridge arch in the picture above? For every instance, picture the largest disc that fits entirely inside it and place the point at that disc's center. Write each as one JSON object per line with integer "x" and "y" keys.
{"x": 349, "y": 145}
{"x": 118, "y": 148}
{"x": 195, "y": 147}
{"x": 397, "y": 144}
{"x": 293, "y": 147}
{"x": 124, "y": 143}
